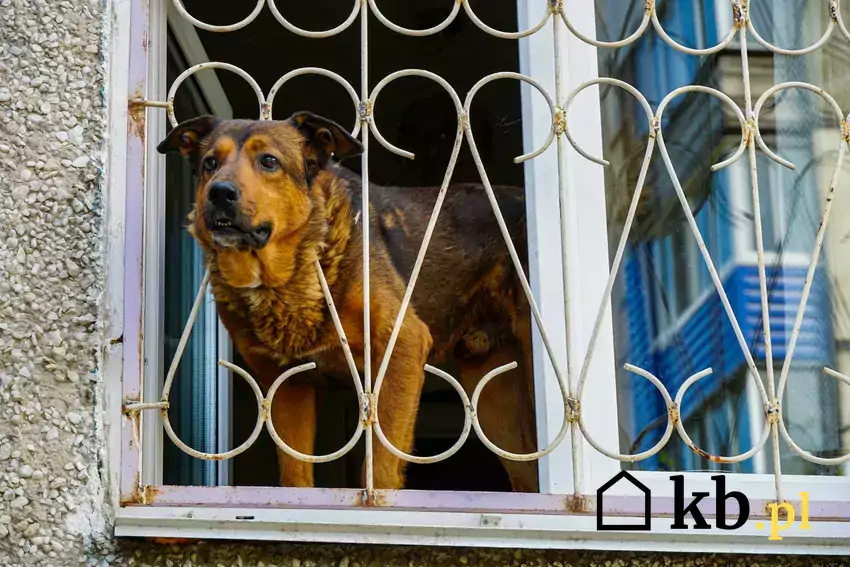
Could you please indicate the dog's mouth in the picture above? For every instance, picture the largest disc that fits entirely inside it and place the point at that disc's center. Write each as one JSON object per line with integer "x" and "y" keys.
{"x": 230, "y": 233}
{"x": 226, "y": 226}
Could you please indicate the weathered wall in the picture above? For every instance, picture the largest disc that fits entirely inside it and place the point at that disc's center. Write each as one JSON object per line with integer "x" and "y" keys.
{"x": 53, "y": 498}
{"x": 51, "y": 265}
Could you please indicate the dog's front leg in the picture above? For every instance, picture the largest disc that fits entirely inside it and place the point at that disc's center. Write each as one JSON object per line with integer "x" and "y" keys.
{"x": 398, "y": 402}
{"x": 293, "y": 410}
{"x": 293, "y": 414}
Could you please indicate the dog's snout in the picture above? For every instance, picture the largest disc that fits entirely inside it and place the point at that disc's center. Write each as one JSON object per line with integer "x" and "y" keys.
{"x": 223, "y": 193}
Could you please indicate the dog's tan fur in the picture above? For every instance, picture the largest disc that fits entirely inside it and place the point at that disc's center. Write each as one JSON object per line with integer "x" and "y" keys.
{"x": 467, "y": 303}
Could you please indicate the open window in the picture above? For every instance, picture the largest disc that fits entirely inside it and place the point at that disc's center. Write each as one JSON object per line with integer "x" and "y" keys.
{"x": 210, "y": 410}
{"x": 668, "y": 334}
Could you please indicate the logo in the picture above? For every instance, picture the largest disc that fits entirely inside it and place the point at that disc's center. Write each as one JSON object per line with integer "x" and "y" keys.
{"x": 782, "y": 514}
{"x": 647, "y": 505}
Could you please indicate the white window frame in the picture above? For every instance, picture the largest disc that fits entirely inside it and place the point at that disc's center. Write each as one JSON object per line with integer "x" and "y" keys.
{"x": 531, "y": 520}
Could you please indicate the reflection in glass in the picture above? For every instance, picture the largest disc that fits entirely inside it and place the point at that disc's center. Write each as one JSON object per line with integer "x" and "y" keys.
{"x": 669, "y": 317}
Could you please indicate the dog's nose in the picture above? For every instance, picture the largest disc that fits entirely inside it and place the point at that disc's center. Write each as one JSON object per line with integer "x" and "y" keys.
{"x": 223, "y": 193}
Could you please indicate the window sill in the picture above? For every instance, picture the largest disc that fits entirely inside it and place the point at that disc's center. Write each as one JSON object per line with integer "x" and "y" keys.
{"x": 400, "y": 527}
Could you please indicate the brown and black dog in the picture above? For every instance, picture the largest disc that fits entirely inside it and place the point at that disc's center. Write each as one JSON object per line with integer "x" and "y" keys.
{"x": 271, "y": 201}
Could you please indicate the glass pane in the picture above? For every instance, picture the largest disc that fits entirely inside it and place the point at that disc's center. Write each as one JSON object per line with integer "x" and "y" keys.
{"x": 193, "y": 398}
{"x": 673, "y": 322}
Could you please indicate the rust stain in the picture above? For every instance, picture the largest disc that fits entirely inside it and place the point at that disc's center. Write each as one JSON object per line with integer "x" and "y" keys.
{"x": 577, "y": 504}
{"x": 705, "y": 455}
{"x": 143, "y": 495}
{"x": 137, "y": 114}
{"x": 127, "y": 501}
{"x": 374, "y": 499}
{"x": 573, "y": 408}
{"x": 768, "y": 513}
{"x": 129, "y": 401}
{"x": 673, "y": 412}
{"x": 136, "y": 496}
{"x": 150, "y": 493}
{"x": 215, "y": 457}
{"x": 137, "y": 428}
{"x": 739, "y": 16}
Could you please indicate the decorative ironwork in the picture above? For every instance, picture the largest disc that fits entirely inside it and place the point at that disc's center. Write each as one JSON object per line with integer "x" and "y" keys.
{"x": 572, "y": 383}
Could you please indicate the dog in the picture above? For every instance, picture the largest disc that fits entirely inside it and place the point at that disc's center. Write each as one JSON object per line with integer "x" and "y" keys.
{"x": 272, "y": 199}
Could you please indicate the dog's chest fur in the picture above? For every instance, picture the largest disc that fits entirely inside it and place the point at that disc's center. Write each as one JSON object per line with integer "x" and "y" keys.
{"x": 291, "y": 321}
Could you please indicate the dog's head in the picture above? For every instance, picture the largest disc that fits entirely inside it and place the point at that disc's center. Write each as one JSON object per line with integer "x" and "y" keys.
{"x": 255, "y": 180}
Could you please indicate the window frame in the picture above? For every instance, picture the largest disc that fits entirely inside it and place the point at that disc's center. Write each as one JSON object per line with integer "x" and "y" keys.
{"x": 553, "y": 520}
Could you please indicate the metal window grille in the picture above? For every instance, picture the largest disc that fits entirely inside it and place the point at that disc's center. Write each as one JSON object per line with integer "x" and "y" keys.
{"x": 572, "y": 380}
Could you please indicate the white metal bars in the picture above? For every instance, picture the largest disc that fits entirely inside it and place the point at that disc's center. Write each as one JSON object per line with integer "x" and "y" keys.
{"x": 572, "y": 384}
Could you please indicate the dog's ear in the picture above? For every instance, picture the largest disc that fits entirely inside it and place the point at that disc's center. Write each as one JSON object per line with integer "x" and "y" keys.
{"x": 324, "y": 137}
{"x": 189, "y": 137}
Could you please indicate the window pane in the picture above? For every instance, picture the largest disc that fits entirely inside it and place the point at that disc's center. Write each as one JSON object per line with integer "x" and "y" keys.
{"x": 674, "y": 324}
{"x": 193, "y": 398}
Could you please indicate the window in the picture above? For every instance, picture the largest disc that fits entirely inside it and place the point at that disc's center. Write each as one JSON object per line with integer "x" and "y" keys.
{"x": 552, "y": 92}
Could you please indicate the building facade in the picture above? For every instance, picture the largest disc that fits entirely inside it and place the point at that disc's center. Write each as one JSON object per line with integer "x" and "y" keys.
{"x": 68, "y": 126}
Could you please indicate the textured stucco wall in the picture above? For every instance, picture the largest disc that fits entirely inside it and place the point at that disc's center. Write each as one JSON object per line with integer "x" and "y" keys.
{"x": 51, "y": 266}
{"x": 53, "y": 499}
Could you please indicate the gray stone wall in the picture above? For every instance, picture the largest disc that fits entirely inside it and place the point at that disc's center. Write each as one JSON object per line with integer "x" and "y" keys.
{"x": 53, "y": 499}
{"x": 51, "y": 278}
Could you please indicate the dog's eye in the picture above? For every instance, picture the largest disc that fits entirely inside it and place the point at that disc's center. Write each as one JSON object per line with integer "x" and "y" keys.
{"x": 210, "y": 164}
{"x": 269, "y": 163}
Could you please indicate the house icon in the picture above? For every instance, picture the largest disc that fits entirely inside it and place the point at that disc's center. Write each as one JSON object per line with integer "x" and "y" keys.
{"x": 600, "y": 508}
